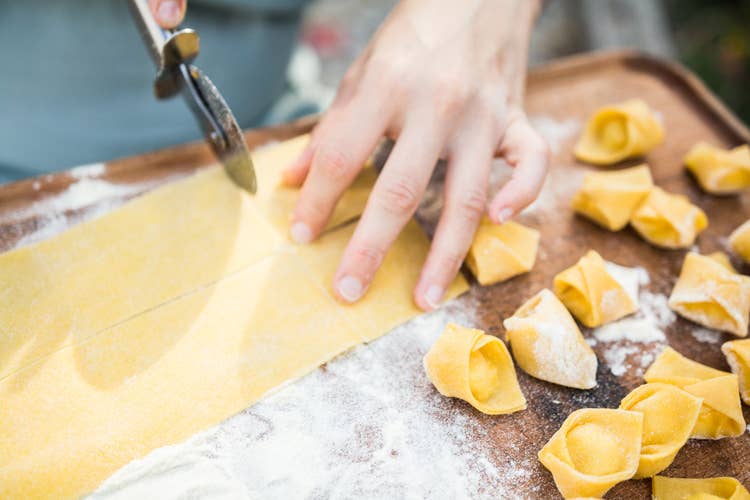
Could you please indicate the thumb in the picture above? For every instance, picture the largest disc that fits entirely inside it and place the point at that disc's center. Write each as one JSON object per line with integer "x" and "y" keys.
{"x": 168, "y": 13}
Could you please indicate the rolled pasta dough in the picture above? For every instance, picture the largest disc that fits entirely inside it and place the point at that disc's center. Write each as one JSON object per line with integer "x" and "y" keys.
{"x": 175, "y": 311}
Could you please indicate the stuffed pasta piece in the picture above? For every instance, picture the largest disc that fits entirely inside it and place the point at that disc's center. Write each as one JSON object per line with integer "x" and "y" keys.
{"x": 710, "y": 294}
{"x": 610, "y": 198}
{"x": 501, "y": 251}
{"x": 710, "y": 488}
{"x": 468, "y": 364}
{"x": 548, "y": 345}
{"x": 592, "y": 293}
{"x": 617, "y": 132}
{"x": 669, "y": 415}
{"x": 719, "y": 171}
{"x": 668, "y": 220}
{"x": 739, "y": 240}
{"x": 737, "y": 353}
{"x": 594, "y": 450}
{"x": 721, "y": 412}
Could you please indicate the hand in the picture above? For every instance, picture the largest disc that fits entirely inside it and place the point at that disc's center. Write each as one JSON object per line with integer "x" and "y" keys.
{"x": 168, "y": 13}
{"x": 443, "y": 79}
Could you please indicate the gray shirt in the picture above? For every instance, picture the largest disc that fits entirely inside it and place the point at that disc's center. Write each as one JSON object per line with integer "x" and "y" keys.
{"x": 76, "y": 80}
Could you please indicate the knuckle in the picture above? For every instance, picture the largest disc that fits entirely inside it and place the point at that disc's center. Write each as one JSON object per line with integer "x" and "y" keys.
{"x": 400, "y": 196}
{"x": 472, "y": 203}
{"x": 368, "y": 257}
{"x": 333, "y": 164}
{"x": 525, "y": 193}
{"x": 450, "y": 95}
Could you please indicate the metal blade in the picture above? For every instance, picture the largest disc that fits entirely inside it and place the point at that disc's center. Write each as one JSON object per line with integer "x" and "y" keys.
{"x": 229, "y": 147}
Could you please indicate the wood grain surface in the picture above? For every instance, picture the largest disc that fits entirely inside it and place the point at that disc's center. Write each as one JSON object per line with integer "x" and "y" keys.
{"x": 562, "y": 92}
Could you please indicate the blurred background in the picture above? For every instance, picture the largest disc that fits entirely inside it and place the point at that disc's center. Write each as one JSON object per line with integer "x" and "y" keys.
{"x": 711, "y": 37}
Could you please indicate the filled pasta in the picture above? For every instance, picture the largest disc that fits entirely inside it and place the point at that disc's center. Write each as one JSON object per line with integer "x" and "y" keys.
{"x": 468, "y": 364}
{"x": 710, "y": 488}
{"x": 501, "y": 251}
{"x": 593, "y": 450}
{"x": 668, "y": 220}
{"x": 669, "y": 415}
{"x": 617, "y": 132}
{"x": 591, "y": 293}
{"x": 717, "y": 170}
{"x": 711, "y": 295}
{"x": 721, "y": 412}
{"x": 610, "y": 198}
{"x": 548, "y": 345}
{"x": 739, "y": 240}
{"x": 737, "y": 353}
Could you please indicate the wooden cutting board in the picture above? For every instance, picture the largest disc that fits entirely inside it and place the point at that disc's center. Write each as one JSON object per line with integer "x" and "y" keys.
{"x": 559, "y": 98}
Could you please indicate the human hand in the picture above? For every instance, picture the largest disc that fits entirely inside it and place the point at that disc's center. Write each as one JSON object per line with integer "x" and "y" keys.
{"x": 168, "y": 13}
{"x": 443, "y": 79}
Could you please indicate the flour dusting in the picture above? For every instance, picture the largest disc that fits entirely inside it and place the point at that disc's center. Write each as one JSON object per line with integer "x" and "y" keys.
{"x": 367, "y": 425}
{"x": 632, "y": 343}
{"x": 705, "y": 335}
{"x": 84, "y": 199}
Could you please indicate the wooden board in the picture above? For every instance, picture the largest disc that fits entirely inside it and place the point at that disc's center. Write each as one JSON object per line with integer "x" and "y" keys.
{"x": 561, "y": 93}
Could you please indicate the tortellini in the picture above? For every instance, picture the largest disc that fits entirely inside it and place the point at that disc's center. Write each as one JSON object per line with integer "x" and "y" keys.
{"x": 711, "y": 295}
{"x": 548, "y": 345}
{"x": 615, "y": 133}
{"x": 591, "y": 293}
{"x": 723, "y": 260}
{"x": 501, "y": 251}
{"x": 737, "y": 353}
{"x": 717, "y": 170}
{"x": 721, "y": 413}
{"x": 668, "y": 220}
{"x": 669, "y": 415}
{"x": 594, "y": 450}
{"x": 710, "y": 488}
{"x": 610, "y": 198}
{"x": 739, "y": 240}
{"x": 468, "y": 364}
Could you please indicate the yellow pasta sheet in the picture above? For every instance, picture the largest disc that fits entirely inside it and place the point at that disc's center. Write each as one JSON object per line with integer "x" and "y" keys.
{"x": 168, "y": 315}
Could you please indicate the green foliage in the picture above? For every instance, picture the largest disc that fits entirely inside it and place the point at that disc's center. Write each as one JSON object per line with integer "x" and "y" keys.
{"x": 713, "y": 39}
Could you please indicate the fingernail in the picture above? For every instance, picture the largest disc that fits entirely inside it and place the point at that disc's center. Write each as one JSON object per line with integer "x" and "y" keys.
{"x": 504, "y": 215}
{"x": 350, "y": 288}
{"x": 300, "y": 233}
{"x": 169, "y": 12}
{"x": 433, "y": 296}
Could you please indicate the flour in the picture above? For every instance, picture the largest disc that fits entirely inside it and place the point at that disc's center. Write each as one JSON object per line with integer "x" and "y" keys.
{"x": 367, "y": 425}
{"x": 705, "y": 335}
{"x": 632, "y": 343}
{"x": 88, "y": 171}
{"x": 84, "y": 199}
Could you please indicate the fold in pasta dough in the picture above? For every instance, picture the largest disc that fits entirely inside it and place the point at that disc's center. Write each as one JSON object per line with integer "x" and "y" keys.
{"x": 717, "y": 170}
{"x": 591, "y": 293}
{"x": 548, "y": 345}
{"x": 594, "y": 450}
{"x": 737, "y": 353}
{"x": 610, "y": 198}
{"x": 468, "y": 364}
{"x": 668, "y": 220}
{"x": 710, "y": 488}
{"x": 167, "y": 315}
{"x": 739, "y": 240}
{"x": 669, "y": 415}
{"x": 617, "y": 132}
{"x": 723, "y": 260}
{"x": 711, "y": 295}
{"x": 501, "y": 251}
{"x": 721, "y": 413}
